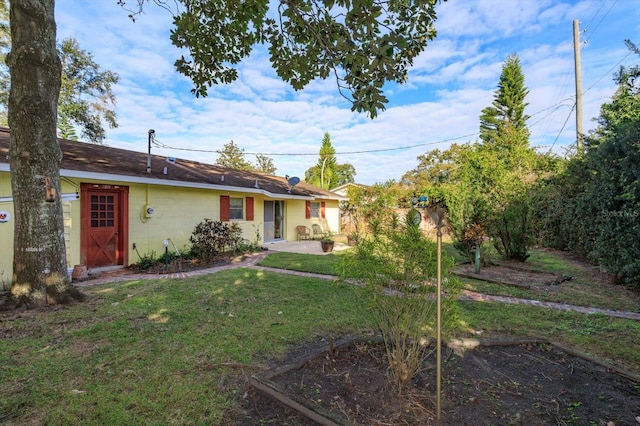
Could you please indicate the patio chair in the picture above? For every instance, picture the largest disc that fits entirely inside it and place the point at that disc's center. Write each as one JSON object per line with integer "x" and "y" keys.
{"x": 317, "y": 231}
{"x": 303, "y": 232}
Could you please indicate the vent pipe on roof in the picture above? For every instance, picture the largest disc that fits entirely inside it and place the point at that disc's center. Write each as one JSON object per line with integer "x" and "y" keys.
{"x": 151, "y": 134}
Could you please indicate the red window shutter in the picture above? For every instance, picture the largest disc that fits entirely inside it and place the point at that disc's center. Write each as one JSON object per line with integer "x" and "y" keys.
{"x": 308, "y": 210}
{"x": 249, "y": 203}
{"x": 225, "y": 202}
{"x": 322, "y": 210}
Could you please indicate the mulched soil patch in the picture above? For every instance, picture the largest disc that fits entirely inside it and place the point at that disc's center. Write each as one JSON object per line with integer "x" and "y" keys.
{"x": 511, "y": 384}
{"x": 185, "y": 265}
{"x": 174, "y": 266}
{"x": 509, "y": 274}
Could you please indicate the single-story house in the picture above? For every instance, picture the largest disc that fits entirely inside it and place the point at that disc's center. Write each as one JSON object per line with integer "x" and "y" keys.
{"x": 343, "y": 189}
{"x": 347, "y": 215}
{"x": 115, "y": 209}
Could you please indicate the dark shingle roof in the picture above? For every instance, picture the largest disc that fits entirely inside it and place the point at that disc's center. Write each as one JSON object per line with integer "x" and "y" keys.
{"x": 121, "y": 163}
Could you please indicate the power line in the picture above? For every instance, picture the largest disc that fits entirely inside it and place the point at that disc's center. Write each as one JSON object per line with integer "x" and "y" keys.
{"x": 608, "y": 72}
{"x": 595, "y": 14}
{"x": 553, "y": 107}
{"x": 601, "y": 19}
{"x": 271, "y": 154}
{"x": 565, "y": 123}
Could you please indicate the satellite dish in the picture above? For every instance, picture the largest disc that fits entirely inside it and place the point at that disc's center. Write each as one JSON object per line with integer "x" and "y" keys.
{"x": 293, "y": 181}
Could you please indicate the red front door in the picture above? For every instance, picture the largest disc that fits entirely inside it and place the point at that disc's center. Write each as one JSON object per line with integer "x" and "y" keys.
{"x": 103, "y": 223}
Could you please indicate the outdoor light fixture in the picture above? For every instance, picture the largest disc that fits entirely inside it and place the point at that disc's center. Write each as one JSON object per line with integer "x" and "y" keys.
{"x": 70, "y": 196}
{"x": 166, "y": 255}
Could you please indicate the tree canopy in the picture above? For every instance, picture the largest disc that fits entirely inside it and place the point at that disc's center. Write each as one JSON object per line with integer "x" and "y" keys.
{"x": 485, "y": 184}
{"x": 504, "y": 122}
{"x": 234, "y": 157}
{"x": 327, "y": 173}
{"x": 362, "y": 44}
{"x": 86, "y": 97}
{"x": 265, "y": 164}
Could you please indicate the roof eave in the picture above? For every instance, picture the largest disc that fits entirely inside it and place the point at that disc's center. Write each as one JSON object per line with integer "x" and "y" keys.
{"x": 176, "y": 183}
{"x": 79, "y": 174}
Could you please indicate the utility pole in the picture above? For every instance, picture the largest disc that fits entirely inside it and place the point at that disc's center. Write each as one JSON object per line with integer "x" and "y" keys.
{"x": 578, "y": 67}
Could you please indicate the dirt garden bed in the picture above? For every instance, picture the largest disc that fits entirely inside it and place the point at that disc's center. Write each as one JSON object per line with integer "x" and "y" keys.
{"x": 500, "y": 383}
{"x": 512, "y": 275}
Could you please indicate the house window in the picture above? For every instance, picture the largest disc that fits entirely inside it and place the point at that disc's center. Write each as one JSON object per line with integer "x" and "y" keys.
{"x": 236, "y": 208}
{"x": 315, "y": 210}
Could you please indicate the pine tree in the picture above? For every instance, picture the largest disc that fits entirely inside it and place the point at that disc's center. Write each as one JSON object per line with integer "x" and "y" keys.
{"x": 504, "y": 122}
{"x": 321, "y": 174}
{"x": 508, "y": 165}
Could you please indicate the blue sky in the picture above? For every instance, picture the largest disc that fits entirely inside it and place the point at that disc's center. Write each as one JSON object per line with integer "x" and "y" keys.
{"x": 449, "y": 85}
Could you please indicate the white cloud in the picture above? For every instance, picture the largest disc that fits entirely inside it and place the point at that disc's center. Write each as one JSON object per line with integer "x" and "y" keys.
{"x": 450, "y": 83}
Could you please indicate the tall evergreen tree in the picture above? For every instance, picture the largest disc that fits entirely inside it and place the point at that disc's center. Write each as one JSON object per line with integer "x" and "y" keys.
{"x": 508, "y": 164}
{"x": 504, "y": 122}
{"x": 485, "y": 185}
{"x": 326, "y": 162}
{"x": 322, "y": 173}
{"x": 327, "y": 173}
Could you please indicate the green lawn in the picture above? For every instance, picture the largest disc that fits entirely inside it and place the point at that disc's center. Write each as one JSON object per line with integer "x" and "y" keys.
{"x": 326, "y": 264}
{"x": 180, "y": 351}
{"x": 609, "y": 338}
{"x": 154, "y": 352}
{"x": 588, "y": 287}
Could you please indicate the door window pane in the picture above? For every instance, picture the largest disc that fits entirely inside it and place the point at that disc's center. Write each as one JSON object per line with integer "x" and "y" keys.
{"x": 102, "y": 212}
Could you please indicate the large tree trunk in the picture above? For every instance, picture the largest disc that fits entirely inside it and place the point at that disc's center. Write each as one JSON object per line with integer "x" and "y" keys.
{"x": 39, "y": 258}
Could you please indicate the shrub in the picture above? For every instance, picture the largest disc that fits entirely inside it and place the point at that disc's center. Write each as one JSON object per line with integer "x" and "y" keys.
{"x": 210, "y": 238}
{"x": 147, "y": 260}
{"x": 397, "y": 268}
